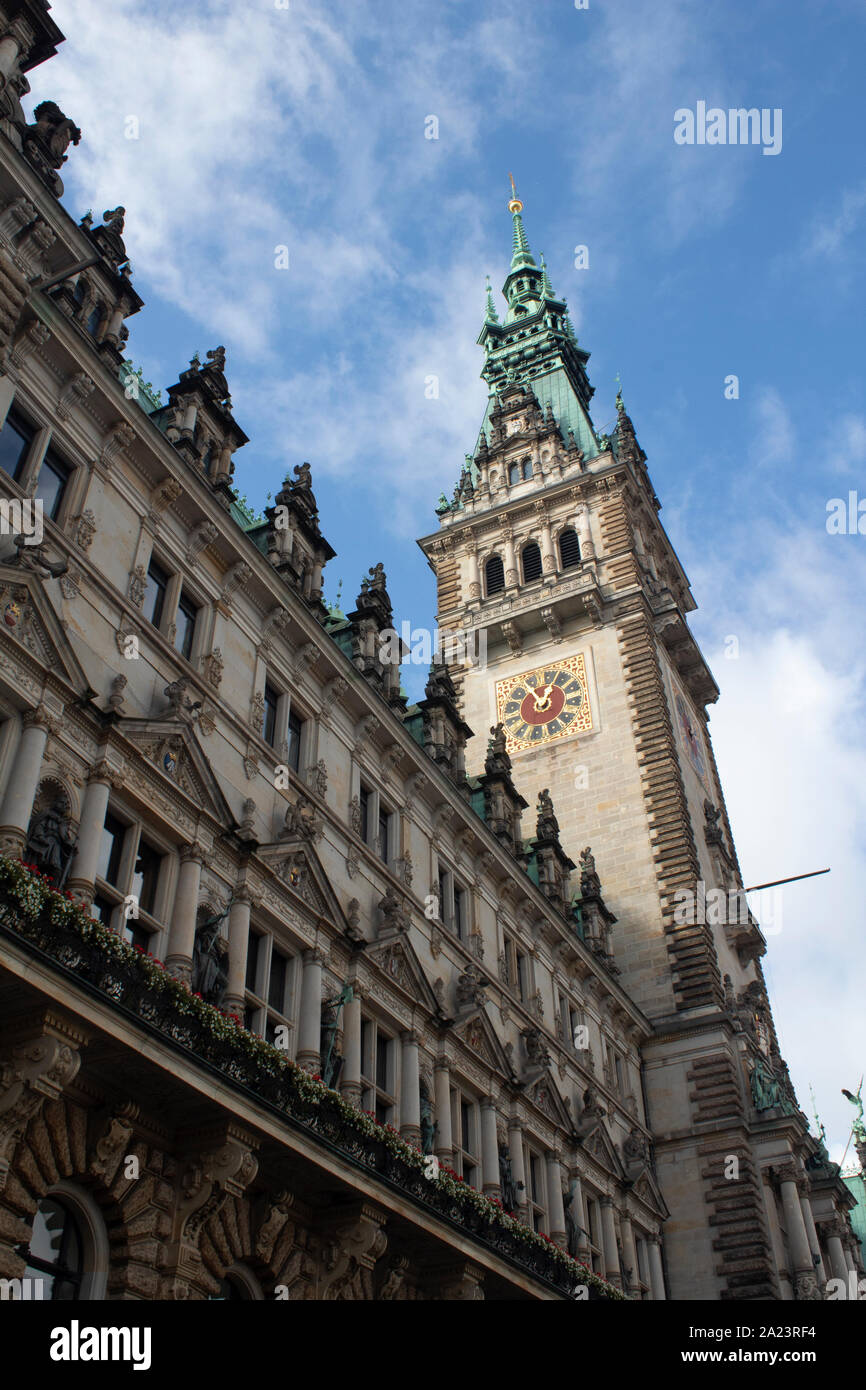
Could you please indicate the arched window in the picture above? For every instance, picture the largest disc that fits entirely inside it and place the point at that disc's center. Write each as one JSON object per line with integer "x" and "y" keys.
{"x": 527, "y": 468}
{"x": 514, "y": 473}
{"x": 68, "y": 1249}
{"x": 94, "y": 320}
{"x": 531, "y": 562}
{"x": 240, "y": 1285}
{"x": 494, "y": 575}
{"x": 569, "y": 549}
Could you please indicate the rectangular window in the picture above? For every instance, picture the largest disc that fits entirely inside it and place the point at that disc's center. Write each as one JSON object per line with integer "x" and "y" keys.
{"x": 377, "y": 1071}
{"x": 536, "y": 1183}
{"x": 460, "y": 911}
{"x": 185, "y": 620}
{"x": 15, "y": 439}
{"x": 269, "y": 722}
{"x": 466, "y": 1130}
{"x": 146, "y": 876}
{"x": 253, "y": 944}
{"x": 110, "y": 850}
{"x": 364, "y": 803}
{"x": 277, "y": 981}
{"x": 516, "y": 968}
{"x": 383, "y": 834}
{"x": 154, "y": 595}
{"x": 296, "y": 726}
{"x": 53, "y": 477}
{"x": 443, "y": 895}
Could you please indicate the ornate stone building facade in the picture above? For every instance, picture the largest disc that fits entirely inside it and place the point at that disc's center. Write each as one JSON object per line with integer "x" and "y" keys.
{"x": 232, "y": 814}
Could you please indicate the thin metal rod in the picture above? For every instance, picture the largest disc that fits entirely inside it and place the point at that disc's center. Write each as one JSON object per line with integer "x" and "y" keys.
{"x": 776, "y": 881}
{"x": 65, "y": 274}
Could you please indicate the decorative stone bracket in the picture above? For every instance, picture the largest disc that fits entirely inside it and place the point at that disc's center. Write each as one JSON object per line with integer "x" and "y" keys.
{"x": 38, "y": 1067}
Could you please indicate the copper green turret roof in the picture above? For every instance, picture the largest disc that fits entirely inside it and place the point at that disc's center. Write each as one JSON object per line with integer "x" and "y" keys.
{"x": 536, "y": 346}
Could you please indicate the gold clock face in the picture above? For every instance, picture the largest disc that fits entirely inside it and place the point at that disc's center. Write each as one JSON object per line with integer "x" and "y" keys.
{"x": 548, "y": 703}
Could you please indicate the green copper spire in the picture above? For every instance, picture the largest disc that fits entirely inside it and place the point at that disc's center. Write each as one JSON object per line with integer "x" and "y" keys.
{"x": 491, "y": 315}
{"x": 521, "y": 256}
{"x": 545, "y": 280}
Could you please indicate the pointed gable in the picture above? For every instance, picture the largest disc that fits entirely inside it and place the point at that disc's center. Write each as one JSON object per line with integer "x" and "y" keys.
{"x": 397, "y": 959}
{"x": 27, "y": 617}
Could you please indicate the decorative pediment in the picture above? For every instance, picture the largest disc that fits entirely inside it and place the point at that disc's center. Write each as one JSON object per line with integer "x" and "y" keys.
{"x": 646, "y": 1189}
{"x": 478, "y": 1034}
{"x": 173, "y": 748}
{"x": 28, "y": 619}
{"x": 296, "y": 864}
{"x": 396, "y": 958}
{"x": 545, "y": 1094}
{"x": 599, "y": 1146}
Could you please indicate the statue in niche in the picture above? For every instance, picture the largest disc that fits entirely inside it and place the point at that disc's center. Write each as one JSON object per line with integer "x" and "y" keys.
{"x": 51, "y": 842}
{"x": 765, "y": 1087}
{"x": 428, "y": 1124}
{"x": 210, "y": 960}
{"x": 571, "y": 1227}
{"x": 332, "y": 1060}
{"x": 507, "y": 1185}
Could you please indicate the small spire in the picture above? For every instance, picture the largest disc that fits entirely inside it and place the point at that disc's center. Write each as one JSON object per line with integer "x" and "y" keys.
{"x": 620, "y": 407}
{"x": 545, "y": 280}
{"x": 490, "y": 315}
{"x": 521, "y": 255}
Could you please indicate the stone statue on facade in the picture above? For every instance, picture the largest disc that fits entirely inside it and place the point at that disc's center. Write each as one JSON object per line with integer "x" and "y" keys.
{"x": 765, "y": 1087}
{"x": 547, "y": 826}
{"x": 210, "y": 960}
{"x": 507, "y": 1185}
{"x": 332, "y": 1060}
{"x": 51, "y": 842}
{"x": 428, "y": 1124}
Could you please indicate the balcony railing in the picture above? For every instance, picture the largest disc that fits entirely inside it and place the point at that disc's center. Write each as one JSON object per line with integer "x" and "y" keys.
{"x": 54, "y": 927}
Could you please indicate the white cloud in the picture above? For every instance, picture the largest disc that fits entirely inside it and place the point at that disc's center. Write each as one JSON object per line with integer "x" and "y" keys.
{"x": 774, "y": 438}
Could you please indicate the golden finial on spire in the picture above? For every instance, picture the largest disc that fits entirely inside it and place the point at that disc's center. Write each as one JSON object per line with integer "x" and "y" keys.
{"x": 515, "y": 204}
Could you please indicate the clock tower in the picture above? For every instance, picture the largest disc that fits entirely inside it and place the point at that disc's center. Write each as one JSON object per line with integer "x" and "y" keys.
{"x": 552, "y": 555}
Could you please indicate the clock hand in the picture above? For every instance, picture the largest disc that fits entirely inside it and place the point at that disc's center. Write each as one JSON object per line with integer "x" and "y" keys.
{"x": 543, "y": 703}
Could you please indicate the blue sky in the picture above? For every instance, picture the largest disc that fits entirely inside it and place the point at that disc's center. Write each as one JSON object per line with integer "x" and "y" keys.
{"x": 304, "y": 127}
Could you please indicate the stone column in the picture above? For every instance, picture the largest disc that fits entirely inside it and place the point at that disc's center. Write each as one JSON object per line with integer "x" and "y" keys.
{"x": 442, "y": 1101}
{"x": 239, "y": 940}
{"x": 83, "y": 872}
{"x": 509, "y": 564}
{"x": 473, "y": 580}
{"x": 657, "y": 1276}
{"x": 838, "y": 1263}
{"x": 181, "y": 937}
{"x": 350, "y": 1075}
{"x": 578, "y": 1211}
{"x": 23, "y": 780}
{"x": 629, "y": 1252}
{"x": 609, "y": 1246}
{"x": 310, "y": 1027}
{"x": 814, "y": 1243}
{"x": 410, "y": 1090}
{"x": 584, "y": 534}
{"x": 798, "y": 1241}
{"x": 548, "y": 557}
{"x": 557, "y": 1231}
{"x": 518, "y": 1171}
{"x": 489, "y": 1149}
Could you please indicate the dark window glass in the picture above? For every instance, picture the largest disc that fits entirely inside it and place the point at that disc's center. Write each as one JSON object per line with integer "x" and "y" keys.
{"x": 442, "y": 898}
{"x": 382, "y": 1112}
{"x": 466, "y": 1126}
{"x": 527, "y": 468}
{"x": 382, "y": 1063}
{"x": 102, "y": 909}
{"x": 459, "y": 910}
{"x": 521, "y": 974}
{"x": 154, "y": 596}
{"x": 253, "y": 945}
{"x": 53, "y": 477}
{"x": 277, "y": 984}
{"x": 56, "y": 1253}
{"x": 250, "y": 1018}
{"x": 569, "y": 549}
{"x": 382, "y": 836}
{"x": 514, "y": 473}
{"x": 136, "y": 934}
{"x": 231, "y": 1291}
{"x": 269, "y": 723}
{"x": 296, "y": 725}
{"x": 207, "y": 461}
{"x": 185, "y": 626}
{"x": 364, "y": 803}
{"x": 146, "y": 876}
{"x": 495, "y": 575}
{"x": 110, "y": 850}
{"x": 80, "y": 291}
{"x": 15, "y": 440}
{"x": 95, "y": 320}
{"x": 531, "y": 562}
